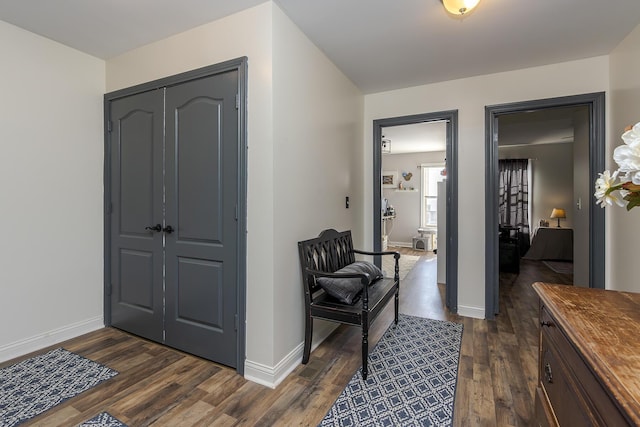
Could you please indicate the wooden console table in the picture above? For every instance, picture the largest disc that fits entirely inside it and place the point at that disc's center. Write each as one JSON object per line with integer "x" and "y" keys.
{"x": 589, "y": 361}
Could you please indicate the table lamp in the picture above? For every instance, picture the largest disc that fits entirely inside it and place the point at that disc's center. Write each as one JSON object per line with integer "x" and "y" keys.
{"x": 558, "y": 213}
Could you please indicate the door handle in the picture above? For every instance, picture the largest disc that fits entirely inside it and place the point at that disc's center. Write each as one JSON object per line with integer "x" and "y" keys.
{"x": 156, "y": 227}
{"x": 168, "y": 229}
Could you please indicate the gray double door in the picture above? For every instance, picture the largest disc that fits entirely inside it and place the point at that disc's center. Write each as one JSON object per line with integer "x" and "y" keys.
{"x": 173, "y": 222}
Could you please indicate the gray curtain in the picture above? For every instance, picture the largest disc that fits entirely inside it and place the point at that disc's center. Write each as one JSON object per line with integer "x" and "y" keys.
{"x": 513, "y": 199}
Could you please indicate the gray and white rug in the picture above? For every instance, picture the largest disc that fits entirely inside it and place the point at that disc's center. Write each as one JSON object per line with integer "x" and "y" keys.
{"x": 405, "y": 265}
{"x": 412, "y": 378}
{"x": 103, "y": 419}
{"x": 35, "y": 385}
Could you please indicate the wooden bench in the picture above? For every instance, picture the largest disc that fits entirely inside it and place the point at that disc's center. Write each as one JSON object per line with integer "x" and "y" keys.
{"x": 322, "y": 257}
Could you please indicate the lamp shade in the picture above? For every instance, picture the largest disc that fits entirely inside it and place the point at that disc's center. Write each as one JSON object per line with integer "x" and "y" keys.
{"x": 558, "y": 213}
{"x": 459, "y": 7}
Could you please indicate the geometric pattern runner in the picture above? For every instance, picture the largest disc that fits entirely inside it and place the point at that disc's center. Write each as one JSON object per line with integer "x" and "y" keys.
{"x": 103, "y": 419}
{"x": 412, "y": 378}
{"x": 34, "y": 385}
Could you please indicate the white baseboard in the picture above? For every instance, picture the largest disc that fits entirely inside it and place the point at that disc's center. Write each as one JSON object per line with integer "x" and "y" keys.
{"x": 475, "y": 312}
{"x": 271, "y": 376}
{"x": 46, "y": 339}
{"x": 402, "y": 244}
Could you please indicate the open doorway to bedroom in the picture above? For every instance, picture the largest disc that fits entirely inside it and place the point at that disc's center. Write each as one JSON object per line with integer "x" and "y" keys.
{"x": 542, "y": 159}
{"x": 401, "y": 204}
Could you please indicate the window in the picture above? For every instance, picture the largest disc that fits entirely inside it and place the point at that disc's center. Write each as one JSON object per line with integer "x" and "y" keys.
{"x": 431, "y": 175}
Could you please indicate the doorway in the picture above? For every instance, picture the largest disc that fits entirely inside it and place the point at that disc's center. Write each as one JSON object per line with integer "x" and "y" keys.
{"x": 451, "y": 206}
{"x": 175, "y": 163}
{"x": 594, "y": 104}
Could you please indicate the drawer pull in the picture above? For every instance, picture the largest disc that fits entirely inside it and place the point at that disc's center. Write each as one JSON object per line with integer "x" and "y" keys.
{"x": 543, "y": 323}
{"x": 548, "y": 374}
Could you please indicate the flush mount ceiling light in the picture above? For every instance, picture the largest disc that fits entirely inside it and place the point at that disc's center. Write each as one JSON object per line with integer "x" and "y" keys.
{"x": 459, "y": 7}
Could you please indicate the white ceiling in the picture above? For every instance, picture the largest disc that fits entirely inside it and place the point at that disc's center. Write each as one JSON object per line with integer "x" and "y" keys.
{"x": 416, "y": 138}
{"x": 378, "y": 44}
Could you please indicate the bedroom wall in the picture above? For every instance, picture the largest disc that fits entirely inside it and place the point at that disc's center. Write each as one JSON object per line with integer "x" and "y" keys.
{"x": 552, "y": 179}
{"x": 406, "y": 203}
{"x": 51, "y": 186}
{"x": 623, "y": 232}
{"x": 470, "y": 96}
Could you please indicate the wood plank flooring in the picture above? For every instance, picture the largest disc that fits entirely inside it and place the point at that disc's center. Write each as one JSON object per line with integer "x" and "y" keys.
{"x": 158, "y": 386}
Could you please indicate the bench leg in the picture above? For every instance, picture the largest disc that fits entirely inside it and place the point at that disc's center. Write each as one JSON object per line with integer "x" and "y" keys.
{"x": 397, "y": 299}
{"x": 308, "y": 335}
{"x": 365, "y": 356}
{"x": 365, "y": 351}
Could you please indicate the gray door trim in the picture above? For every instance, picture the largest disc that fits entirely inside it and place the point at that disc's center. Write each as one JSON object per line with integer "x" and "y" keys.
{"x": 241, "y": 65}
{"x": 596, "y": 104}
{"x": 451, "y": 117}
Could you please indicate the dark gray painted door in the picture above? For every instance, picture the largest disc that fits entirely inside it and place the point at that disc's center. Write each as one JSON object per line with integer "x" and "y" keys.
{"x": 174, "y": 195}
{"x": 201, "y": 202}
{"x": 136, "y": 203}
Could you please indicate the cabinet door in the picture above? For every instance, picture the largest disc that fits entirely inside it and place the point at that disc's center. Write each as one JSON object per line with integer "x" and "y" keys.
{"x": 201, "y": 201}
{"x": 135, "y": 144}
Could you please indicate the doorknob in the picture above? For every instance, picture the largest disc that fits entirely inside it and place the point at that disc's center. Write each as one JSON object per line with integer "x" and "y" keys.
{"x": 168, "y": 229}
{"x": 156, "y": 227}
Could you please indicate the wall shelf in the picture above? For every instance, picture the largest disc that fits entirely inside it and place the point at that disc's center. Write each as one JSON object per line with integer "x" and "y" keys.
{"x": 415, "y": 190}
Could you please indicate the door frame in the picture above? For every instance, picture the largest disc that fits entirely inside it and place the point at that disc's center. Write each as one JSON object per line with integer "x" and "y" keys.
{"x": 596, "y": 105}
{"x": 451, "y": 235}
{"x": 240, "y": 65}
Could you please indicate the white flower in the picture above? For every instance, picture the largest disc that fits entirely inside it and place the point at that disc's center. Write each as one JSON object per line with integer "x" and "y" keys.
{"x": 603, "y": 193}
{"x": 628, "y": 156}
{"x": 632, "y": 135}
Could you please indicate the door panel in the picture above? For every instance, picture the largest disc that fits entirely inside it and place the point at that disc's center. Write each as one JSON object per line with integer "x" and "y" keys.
{"x": 136, "y": 198}
{"x": 201, "y": 195}
{"x": 201, "y": 287}
{"x": 199, "y": 160}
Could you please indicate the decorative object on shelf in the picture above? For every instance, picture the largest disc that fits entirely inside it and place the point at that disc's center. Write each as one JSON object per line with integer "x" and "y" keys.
{"x": 386, "y": 145}
{"x": 459, "y": 7}
{"x": 407, "y": 176}
{"x": 558, "y": 213}
{"x": 624, "y": 184}
{"x": 390, "y": 179}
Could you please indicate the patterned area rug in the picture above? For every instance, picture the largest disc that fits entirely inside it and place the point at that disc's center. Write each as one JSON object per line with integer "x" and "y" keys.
{"x": 405, "y": 264}
{"x": 412, "y": 378}
{"x": 562, "y": 267}
{"x": 103, "y": 419}
{"x": 34, "y": 385}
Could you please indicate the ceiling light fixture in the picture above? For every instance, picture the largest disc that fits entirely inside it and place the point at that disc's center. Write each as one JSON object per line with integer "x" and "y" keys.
{"x": 460, "y": 7}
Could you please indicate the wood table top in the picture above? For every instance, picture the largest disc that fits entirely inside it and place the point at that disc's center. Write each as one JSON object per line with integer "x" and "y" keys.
{"x": 604, "y": 326}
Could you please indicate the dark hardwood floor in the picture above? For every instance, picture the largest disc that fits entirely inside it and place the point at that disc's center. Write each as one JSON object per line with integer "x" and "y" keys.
{"x": 158, "y": 386}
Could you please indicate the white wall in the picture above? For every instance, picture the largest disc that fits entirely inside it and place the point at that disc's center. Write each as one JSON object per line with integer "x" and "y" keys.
{"x": 406, "y": 204}
{"x": 470, "y": 96}
{"x": 623, "y": 230}
{"x": 51, "y": 186}
{"x": 317, "y": 115}
{"x": 304, "y": 129}
{"x": 248, "y": 33}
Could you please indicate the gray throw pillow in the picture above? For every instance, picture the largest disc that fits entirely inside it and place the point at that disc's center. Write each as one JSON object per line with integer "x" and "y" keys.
{"x": 371, "y": 269}
{"x": 346, "y": 290}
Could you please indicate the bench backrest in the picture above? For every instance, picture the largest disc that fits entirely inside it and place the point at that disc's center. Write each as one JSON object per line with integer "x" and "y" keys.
{"x": 328, "y": 252}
